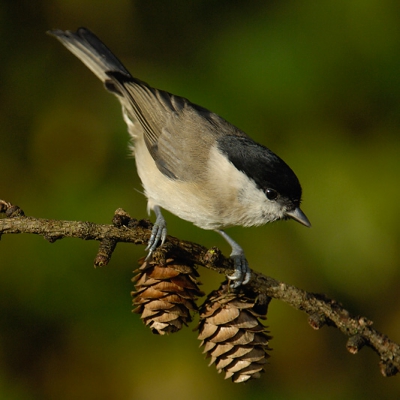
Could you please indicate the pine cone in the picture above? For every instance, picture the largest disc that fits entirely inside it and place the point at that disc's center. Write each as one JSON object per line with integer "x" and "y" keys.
{"x": 165, "y": 295}
{"x": 232, "y": 334}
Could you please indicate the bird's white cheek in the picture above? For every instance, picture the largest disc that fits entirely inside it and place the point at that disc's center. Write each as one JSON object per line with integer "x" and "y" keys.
{"x": 241, "y": 201}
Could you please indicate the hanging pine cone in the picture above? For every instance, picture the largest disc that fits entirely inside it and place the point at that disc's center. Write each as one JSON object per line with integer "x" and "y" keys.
{"x": 232, "y": 334}
{"x": 165, "y": 295}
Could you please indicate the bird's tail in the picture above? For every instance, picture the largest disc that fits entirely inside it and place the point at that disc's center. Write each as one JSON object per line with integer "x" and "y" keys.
{"x": 91, "y": 51}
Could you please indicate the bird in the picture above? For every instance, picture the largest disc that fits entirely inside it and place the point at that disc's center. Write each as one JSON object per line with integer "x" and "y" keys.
{"x": 191, "y": 161}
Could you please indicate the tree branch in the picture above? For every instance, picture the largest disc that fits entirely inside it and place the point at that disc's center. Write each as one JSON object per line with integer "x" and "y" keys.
{"x": 321, "y": 310}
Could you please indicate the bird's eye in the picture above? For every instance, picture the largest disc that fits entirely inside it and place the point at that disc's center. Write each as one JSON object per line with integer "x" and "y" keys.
{"x": 271, "y": 194}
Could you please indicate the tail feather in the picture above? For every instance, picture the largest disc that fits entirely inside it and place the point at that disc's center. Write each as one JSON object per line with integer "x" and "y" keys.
{"x": 91, "y": 51}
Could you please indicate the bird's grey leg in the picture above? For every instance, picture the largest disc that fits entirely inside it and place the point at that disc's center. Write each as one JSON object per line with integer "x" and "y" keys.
{"x": 242, "y": 273}
{"x": 159, "y": 232}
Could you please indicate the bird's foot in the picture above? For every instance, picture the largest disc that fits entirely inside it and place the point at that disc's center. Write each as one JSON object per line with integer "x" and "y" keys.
{"x": 242, "y": 273}
{"x": 159, "y": 232}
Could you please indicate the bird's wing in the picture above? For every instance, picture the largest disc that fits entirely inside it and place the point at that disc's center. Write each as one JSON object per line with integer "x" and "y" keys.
{"x": 176, "y": 131}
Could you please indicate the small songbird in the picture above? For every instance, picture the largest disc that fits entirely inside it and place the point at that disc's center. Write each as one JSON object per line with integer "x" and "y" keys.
{"x": 191, "y": 161}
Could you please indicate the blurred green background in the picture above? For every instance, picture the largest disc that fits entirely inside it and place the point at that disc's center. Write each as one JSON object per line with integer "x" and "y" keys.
{"x": 316, "y": 81}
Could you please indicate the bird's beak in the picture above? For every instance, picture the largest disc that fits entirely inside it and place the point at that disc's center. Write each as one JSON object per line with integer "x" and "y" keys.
{"x": 299, "y": 216}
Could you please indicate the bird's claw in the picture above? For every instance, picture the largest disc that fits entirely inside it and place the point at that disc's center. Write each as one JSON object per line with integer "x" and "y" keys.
{"x": 159, "y": 232}
{"x": 242, "y": 273}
